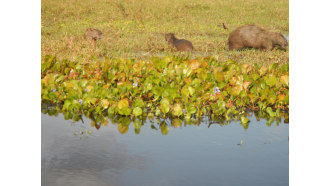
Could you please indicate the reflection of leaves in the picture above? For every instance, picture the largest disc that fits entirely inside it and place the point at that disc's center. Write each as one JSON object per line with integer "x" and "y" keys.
{"x": 244, "y": 120}
{"x": 105, "y": 122}
{"x": 122, "y": 129}
{"x": 270, "y": 121}
{"x": 153, "y": 127}
{"x": 176, "y": 123}
{"x": 270, "y": 112}
{"x": 164, "y": 128}
{"x": 125, "y": 121}
{"x": 245, "y": 125}
{"x": 137, "y": 131}
{"x": 137, "y": 124}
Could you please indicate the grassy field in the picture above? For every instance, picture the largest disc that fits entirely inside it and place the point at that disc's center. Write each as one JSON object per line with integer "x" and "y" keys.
{"x": 136, "y": 28}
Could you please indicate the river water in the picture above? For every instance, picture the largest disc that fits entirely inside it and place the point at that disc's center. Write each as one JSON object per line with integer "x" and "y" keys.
{"x": 187, "y": 155}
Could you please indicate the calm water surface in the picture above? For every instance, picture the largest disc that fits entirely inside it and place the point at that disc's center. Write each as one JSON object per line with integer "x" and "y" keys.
{"x": 190, "y": 155}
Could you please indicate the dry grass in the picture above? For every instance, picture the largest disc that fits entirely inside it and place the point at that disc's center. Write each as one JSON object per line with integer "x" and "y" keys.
{"x": 136, "y": 28}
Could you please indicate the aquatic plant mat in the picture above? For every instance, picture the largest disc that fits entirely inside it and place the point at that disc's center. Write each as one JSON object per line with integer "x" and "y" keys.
{"x": 170, "y": 87}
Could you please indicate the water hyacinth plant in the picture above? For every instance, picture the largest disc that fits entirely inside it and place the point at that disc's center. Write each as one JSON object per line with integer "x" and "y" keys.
{"x": 173, "y": 86}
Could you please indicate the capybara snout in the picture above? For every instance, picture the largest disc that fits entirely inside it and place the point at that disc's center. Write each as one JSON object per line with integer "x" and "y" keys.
{"x": 282, "y": 42}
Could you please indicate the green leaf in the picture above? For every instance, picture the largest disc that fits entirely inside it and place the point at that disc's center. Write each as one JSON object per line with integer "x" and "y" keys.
{"x": 157, "y": 112}
{"x": 66, "y": 105}
{"x": 137, "y": 111}
{"x": 177, "y": 110}
{"x": 148, "y": 87}
{"x": 48, "y": 62}
{"x": 244, "y": 120}
{"x": 191, "y": 90}
{"x": 165, "y": 105}
{"x": 123, "y": 104}
{"x": 255, "y": 76}
{"x": 125, "y": 111}
{"x": 271, "y": 81}
{"x": 219, "y": 76}
{"x": 112, "y": 110}
{"x": 269, "y": 110}
{"x": 185, "y": 92}
{"x": 191, "y": 109}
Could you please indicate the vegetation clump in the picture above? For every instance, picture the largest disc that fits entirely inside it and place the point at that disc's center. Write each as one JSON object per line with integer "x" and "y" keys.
{"x": 173, "y": 87}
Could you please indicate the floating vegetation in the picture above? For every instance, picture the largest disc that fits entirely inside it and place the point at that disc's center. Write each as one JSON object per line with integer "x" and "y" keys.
{"x": 171, "y": 87}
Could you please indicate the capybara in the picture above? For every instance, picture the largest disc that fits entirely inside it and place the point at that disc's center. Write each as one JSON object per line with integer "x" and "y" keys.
{"x": 252, "y": 36}
{"x": 181, "y": 45}
{"x": 92, "y": 33}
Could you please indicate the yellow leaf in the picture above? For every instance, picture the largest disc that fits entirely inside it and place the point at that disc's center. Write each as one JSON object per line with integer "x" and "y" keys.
{"x": 105, "y": 103}
{"x": 246, "y": 84}
{"x": 123, "y": 104}
{"x": 89, "y": 88}
{"x": 284, "y": 80}
{"x": 262, "y": 70}
{"x": 193, "y": 64}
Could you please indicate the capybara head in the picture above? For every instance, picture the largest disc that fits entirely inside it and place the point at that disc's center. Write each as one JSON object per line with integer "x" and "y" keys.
{"x": 281, "y": 41}
{"x": 170, "y": 38}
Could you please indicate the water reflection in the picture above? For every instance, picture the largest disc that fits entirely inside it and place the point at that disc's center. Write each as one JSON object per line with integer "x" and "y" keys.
{"x": 139, "y": 151}
{"x": 68, "y": 160}
{"x": 123, "y": 122}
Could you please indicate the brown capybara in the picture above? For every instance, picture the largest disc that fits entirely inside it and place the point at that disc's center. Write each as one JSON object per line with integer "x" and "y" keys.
{"x": 92, "y": 33}
{"x": 181, "y": 45}
{"x": 251, "y": 36}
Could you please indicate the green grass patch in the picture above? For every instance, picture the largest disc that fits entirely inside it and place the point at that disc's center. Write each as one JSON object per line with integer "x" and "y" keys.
{"x": 136, "y": 28}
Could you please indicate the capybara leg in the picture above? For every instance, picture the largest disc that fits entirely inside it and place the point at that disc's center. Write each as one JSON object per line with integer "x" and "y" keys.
{"x": 234, "y": 47}
{"x": 267, "y": 46}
